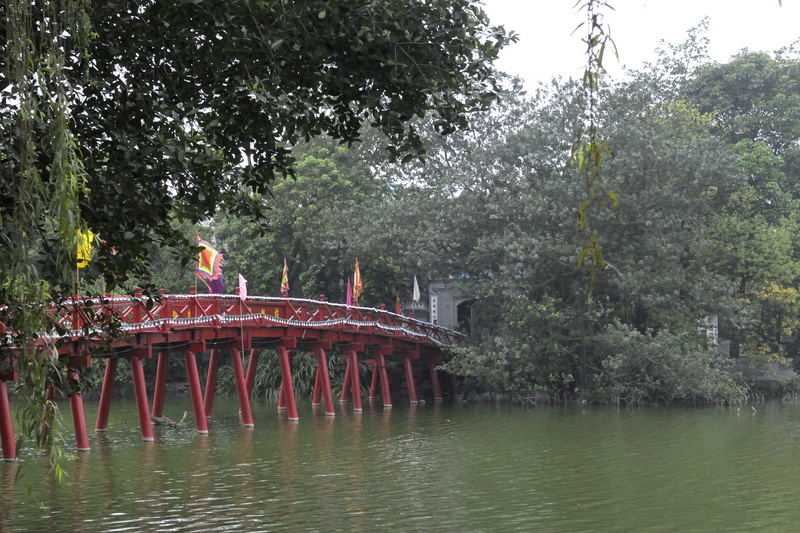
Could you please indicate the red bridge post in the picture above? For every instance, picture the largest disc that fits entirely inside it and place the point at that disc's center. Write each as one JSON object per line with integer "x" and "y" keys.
{"x": 352, "y": 382}
{"x": 105, "y": 394}
{"x": 211, "y": 382}
{"x": 412, "y": 387}
{"x": 380, "y": 367}
{"x": 241, "y": 388}
{"x": 6, "y": 428}
{"x": 250, "y": 378}
{"x": 140, "y": 390}
{"x": 78, "y": 417}
{"x": 324, "y": 377}
{"x": 355, "y": 379}
{"x": 161, "y": 385}
{"x": 373, "y": 384}
{"x": 194, "y": 386}
{"x": 287, "y": 390}
{"x": 345, "y": 381}
{"x": 281, "y": 397}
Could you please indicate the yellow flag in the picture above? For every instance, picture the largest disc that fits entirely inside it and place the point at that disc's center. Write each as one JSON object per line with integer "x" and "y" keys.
{"x": 85, "y": 241}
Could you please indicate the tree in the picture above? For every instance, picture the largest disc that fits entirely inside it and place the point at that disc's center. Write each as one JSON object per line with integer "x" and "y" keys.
{"x": 507, "y": 214}
{"x": 305, "y": 224}
{"x": 187, "y": 106}
{"x": 753, "y": 97}
{"x": 755, "y": 103}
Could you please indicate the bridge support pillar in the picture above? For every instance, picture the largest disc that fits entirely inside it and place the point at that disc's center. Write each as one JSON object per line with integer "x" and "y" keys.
{"x": 211, "y": 382}
{"x": 383, "y": 374}
{"x": 241, "y": 388}
{"x": 345, "y": 382}
{"x": 6, "y": 428}
{"x": 287, "y": 390}
{"x": 412, "y": 386}
{"x": 196, "y": 392}
{"x": 355, "y": 380}
{"x": 373, "y": 384}
{"x": 250, "y": 379}
{"x": 105, "y": 394}
{"x": 140, "y": 390}
{"x": 316, "y": 396}
{"x": 352, "y": 380}
{"x": 325, "y": 380}
{"x": 281, "y": 397}
{"x": 437, "y": 388}
{"x": 78, "y": 418}
{"x": 161, "y": 385}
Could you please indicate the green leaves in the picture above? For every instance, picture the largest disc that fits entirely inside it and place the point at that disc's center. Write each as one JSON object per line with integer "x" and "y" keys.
{"x": 185, "y": 107}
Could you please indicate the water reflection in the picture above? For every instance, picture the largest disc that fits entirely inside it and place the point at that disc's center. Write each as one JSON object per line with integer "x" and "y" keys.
{"x": 8, "y": 497}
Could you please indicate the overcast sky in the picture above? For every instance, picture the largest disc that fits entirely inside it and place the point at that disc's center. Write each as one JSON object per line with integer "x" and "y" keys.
{"x": 548, "y": 48}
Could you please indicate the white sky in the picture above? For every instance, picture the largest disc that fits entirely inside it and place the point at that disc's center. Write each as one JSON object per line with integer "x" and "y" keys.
{"x": 547, "y": 47}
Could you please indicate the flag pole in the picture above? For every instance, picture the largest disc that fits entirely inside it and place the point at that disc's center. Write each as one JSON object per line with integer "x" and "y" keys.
{"x": 242, "y": 298}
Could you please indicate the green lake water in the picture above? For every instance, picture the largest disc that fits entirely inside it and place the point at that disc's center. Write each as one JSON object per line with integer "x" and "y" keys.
{"x": 437, "y": 467}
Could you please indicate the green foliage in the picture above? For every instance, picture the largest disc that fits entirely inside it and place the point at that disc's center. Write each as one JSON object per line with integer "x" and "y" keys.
{"x": 43, "y": 178}
{"x": 755, "y": 103}
{"x": 661, "y": 367}
{"x": 304, "y": 218}
{"x": 532, "y": 358}
{"x": 697, "y": 227}
{"x": 180, "y": 108}
{"x": 753, "y": 97}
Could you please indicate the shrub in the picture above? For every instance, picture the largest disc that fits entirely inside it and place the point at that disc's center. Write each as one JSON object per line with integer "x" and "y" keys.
{"x": 662, "y": 366}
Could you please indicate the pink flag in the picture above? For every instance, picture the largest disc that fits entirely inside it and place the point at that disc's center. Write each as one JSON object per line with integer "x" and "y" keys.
{"x": 242, "y": 287}
{"x": 349, "y": 300}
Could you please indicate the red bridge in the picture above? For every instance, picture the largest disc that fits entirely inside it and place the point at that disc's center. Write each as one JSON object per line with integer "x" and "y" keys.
{"x": 192, "y": 324}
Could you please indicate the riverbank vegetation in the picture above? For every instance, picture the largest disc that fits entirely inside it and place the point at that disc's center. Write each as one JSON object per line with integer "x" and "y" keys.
{"x": 699, "y": 230}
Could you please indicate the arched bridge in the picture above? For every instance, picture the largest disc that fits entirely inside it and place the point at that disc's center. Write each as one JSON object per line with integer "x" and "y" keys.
{"x": 137, "y": 328}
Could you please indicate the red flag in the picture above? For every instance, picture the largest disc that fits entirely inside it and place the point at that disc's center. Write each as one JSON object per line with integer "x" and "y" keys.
{"x": 349, "y": 297}
{"x": 285, "y": 280}
{"x": 357, "y": 286}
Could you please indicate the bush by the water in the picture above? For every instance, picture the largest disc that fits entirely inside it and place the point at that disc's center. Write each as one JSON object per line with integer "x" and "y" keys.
{"x": 662, "y": 366}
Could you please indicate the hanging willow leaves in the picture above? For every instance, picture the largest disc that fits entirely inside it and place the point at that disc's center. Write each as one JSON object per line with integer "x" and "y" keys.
{"x": 40, "y": 225}
{"x": 590, "y": 148}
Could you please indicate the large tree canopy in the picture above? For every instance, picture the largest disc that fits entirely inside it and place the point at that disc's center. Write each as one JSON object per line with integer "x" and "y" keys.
{"x": 185, "y": 106}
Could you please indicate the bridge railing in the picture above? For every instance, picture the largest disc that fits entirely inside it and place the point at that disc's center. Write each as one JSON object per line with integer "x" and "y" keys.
{"x": 140, "y": 313}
